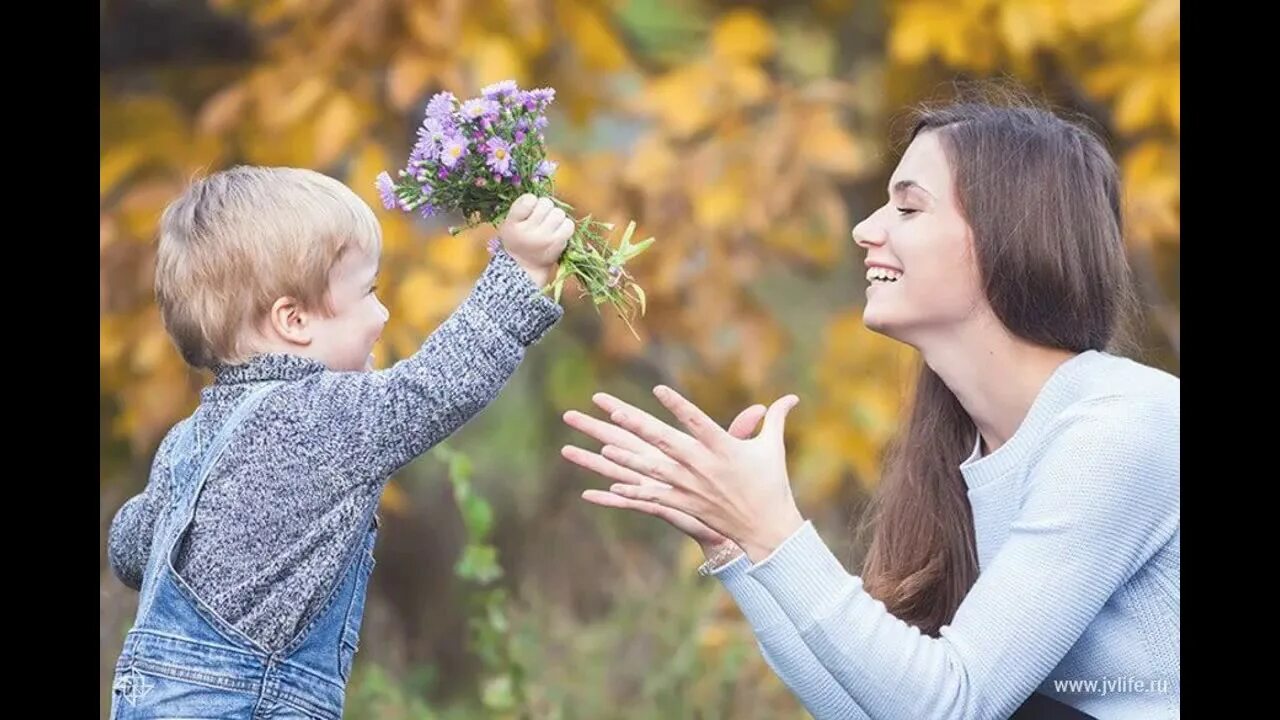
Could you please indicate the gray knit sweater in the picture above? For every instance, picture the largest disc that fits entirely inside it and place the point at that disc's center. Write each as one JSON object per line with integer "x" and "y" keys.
{"x": 288, "y": 496}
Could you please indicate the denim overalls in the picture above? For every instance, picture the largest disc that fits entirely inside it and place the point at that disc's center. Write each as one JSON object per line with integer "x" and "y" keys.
{"x": 181, "y": 660}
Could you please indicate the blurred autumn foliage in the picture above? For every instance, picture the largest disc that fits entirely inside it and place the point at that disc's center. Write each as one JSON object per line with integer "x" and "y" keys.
{"x": 748, "y": 137}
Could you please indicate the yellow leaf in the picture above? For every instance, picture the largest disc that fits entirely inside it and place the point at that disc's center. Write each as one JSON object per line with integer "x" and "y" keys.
{"x": 719, "y": 206}
{"x": 494, "y": 59}
{"x": 928, "y": 27}
{"x": 337, "y": 126}
{"x": 397, "y": 232}
{"x": 270, "y": 12}
{"x": 370, "y": 159}
{"x": 278, "y": 112}
{"x": 141, "y": 207}
{"x": 1029, "y": 24}
{"x": 223, "y": 110}
{"x": 826, "y": 145}
{"x": 116, "y": 164}
{"x": 432, "y": 28}
{"x": 456, "y": 257}
{"x": 596, "y": 42}
{"x": 1088, "y": 15}
{"x": 1108, "y": 80}
{"x": 816, "y": 248}
{"x": 684, "y": 99}
{"x": 395, "y": 501}
{"x": 292, "y": 146}
{"x": 423, "y": 300}
{"x": 649, "y": 163}
{"x": 1139, "y": 104}
{"x": 150, "y": 349}
{"x": 743, "y": 34}
{"x": 749, "y": 84}
{"x": 1159, "y": 29}
{"x": 111, "y": 339}
{"x": 107, "y": 232}
{"x": 1173, "y": 97}
{"x": 408, "y": 75}
{"x": 714, "y": 636}
{"x": 1151, "y": 174}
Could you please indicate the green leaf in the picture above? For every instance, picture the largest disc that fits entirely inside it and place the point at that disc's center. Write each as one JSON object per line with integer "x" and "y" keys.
{"x": 460, "y": 467}
{"x": 498, "y": 693}
{"x": 477, "y": 515}
{"x": 640, "y": 296}
{"x": 636, "y": 249}
{"x": 626, "y": 236}
{"x": 479, "y": 563}
{"x": 562, "y": 272}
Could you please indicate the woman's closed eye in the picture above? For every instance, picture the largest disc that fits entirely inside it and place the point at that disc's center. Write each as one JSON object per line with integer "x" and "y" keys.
{"x": 906, "y": 211}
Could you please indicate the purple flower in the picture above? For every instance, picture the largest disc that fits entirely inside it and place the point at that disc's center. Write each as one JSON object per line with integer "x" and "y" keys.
{"x": 444, "y": 173}
{"x": 499, "y": 156}
{"x": 499, "y": 90}
{"x": 432, "y": 132}
{"x": 421, "y": 154}
{"x": 441, "y": 105}
{"x": 386, "y": 190}
{"x": 615, "y": 276}
{"x": 427, "y": 210}
{"x": 493, "y": 245}
{"x": 540, "y": 122}
{"x": 519, "y": 136}
{"x": 516, "y": 179}
{"x": 454, "y": 149}
{"x": 546, "y": 169}
{"x": 477, "y": 108}
{"x": 543, "y": 96}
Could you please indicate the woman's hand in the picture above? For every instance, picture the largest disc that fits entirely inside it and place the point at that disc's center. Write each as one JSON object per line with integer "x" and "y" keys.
{"x": 709, "y": 540}
{"x": 736, "y": 487}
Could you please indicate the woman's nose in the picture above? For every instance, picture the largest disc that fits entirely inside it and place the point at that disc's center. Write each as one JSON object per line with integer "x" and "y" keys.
{"x": 868, "y": 233}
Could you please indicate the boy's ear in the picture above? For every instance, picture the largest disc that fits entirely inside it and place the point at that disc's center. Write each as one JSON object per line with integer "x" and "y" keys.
{"x": 290, "y": 321}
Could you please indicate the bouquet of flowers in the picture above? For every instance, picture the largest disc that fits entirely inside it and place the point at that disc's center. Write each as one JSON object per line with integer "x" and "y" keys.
{"x": 475, "y": 157}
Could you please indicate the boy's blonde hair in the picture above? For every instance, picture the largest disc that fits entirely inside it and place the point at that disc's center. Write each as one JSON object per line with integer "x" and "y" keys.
{"x": 238, "y": 240}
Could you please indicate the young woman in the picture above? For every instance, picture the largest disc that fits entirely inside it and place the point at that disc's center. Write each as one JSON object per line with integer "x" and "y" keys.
{"x": 1026, "y": 532}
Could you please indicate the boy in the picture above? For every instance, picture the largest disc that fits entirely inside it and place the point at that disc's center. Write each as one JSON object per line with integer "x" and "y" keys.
{"x": 252, "y": 544}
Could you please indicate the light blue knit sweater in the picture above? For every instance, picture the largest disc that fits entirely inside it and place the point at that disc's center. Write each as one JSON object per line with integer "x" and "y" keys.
{"x": 1077, "y": 527}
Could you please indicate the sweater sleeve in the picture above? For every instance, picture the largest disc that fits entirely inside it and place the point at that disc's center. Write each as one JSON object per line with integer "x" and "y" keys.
{"x": 784, "y": 650}
{"x": 129, "y": 537}
{"x": 1101, "y": 499}
{"x": 388, "y": 417}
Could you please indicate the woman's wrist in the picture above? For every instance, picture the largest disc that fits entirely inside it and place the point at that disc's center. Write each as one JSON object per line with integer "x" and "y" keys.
{"x": 766, "y": 538}
{"x": 718, "y": 555}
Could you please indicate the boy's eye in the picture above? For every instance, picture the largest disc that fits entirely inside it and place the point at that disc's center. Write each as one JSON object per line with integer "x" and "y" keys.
{"x": 906, "y": 211}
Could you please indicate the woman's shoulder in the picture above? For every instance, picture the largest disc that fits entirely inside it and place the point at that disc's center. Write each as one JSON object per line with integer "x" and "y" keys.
{"x": 1117, "y": 407}
{"x": 1120, "y": 389}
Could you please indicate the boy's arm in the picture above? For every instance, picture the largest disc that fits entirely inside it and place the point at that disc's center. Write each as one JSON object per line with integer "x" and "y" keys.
{"x": 384, "y": 419}
{"x": 129, "y": 538}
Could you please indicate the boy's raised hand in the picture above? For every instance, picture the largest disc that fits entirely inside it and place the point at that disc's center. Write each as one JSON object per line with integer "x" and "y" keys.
{"x": 535, "y": 233}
